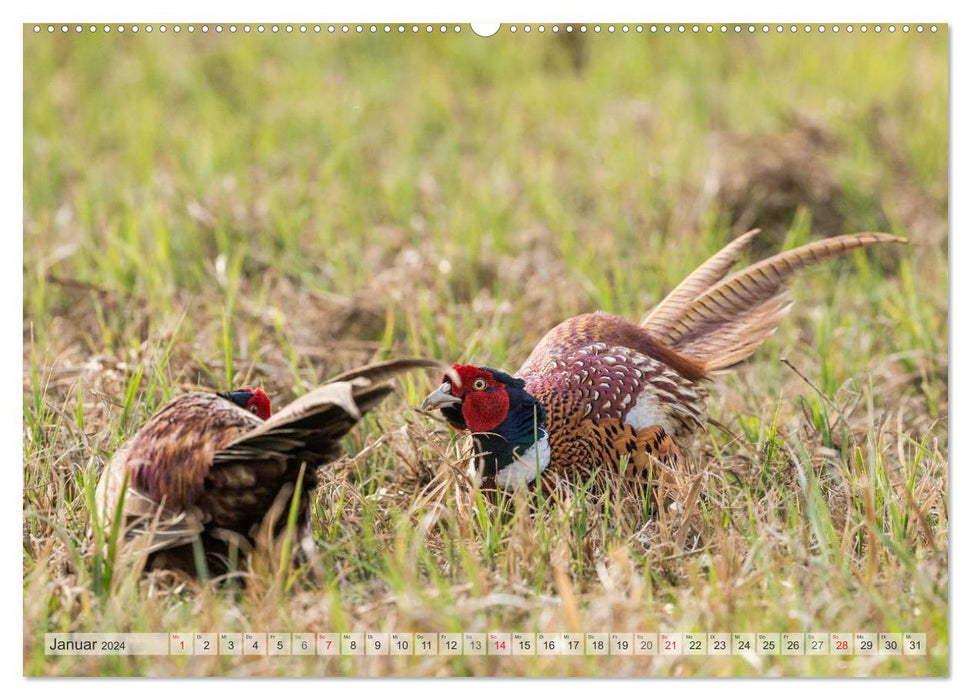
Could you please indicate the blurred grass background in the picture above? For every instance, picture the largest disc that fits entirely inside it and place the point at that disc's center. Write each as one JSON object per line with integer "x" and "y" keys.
{"x": 214, "y": 210}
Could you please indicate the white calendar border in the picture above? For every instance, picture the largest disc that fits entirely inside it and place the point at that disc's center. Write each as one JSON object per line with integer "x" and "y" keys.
{"x": 11, "y": 649}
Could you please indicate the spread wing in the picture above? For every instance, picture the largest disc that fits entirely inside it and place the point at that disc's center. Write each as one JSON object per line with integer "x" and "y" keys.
{"x": 312, "y": 425}
{"x": 248, "y": 473}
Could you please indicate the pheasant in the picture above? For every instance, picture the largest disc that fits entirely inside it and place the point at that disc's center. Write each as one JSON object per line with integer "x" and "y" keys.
{"x": 211, "y": 466}
{"x": 602, "y": 392}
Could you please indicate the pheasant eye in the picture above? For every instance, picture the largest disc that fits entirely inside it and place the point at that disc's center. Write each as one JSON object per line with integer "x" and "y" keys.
{"x": 254, "y": 408}
{"x": 479, "y": 384}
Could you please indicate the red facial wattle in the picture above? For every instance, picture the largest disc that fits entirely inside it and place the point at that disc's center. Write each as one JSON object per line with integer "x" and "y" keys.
{"x": 259, "y": 404}
{"x": 484, "y": 411}
{"x": 485, "y": 401}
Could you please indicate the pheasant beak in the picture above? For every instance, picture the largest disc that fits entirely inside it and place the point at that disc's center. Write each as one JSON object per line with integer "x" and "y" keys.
{"x": 441, "y": 397}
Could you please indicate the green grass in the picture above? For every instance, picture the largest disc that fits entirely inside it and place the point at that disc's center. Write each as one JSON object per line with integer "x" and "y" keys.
{"x": 224, "y": 210}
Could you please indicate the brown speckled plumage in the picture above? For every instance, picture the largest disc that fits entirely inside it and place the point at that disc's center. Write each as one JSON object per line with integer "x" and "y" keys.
{"x": 590, "y": 391}
{"x": 204, "y": 467}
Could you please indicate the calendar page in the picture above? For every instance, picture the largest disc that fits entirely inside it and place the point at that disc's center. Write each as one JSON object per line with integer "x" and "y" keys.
{"x": 604, "y": 349}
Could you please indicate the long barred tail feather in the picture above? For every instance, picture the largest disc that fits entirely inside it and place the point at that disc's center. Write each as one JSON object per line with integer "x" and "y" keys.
{"x": 663, "y": 316}
{"x": 721, "y": 321}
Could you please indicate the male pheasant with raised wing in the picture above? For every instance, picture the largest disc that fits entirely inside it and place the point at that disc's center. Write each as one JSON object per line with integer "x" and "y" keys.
{"x": 601, "y": 392}
{"x": 210, "y": 466}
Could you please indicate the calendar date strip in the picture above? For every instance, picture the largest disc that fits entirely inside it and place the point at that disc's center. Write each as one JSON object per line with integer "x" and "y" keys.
{"x": 487, "y": 644}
